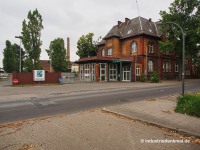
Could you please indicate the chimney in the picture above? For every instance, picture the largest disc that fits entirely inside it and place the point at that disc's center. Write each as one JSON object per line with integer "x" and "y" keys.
{"x": 150, "y": 20}
{"x": 126, "y": 21}
{"x": 119, "y": 24}
{"x": 68, "y": 49}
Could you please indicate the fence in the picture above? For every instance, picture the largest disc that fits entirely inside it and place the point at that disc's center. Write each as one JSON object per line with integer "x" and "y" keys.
{"x": 6, "y": 79}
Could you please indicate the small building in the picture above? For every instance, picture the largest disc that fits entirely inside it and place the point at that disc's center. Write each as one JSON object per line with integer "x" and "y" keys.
{"x": 74, "y": 67}
{"x": 45, "y": 64}
{"x": 131, "y": 49}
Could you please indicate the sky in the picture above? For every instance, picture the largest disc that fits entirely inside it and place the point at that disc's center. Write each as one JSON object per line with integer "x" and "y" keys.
{"x": 72, "y": 18}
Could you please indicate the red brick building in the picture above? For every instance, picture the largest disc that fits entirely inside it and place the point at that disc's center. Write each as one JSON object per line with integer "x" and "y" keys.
{"x": 130, "y": 49}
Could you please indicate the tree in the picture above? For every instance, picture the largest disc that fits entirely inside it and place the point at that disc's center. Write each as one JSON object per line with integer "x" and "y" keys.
{"x": 57, "y": 54}
{"x": 86, "y": 46}
{"x": 31, "y": 34}
{"x": 185, "y": 13}
{"x": 10, "y": 58}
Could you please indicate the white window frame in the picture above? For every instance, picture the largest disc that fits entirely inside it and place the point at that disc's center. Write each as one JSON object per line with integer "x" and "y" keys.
{"x": 150, "y": 66}
{"x": 164, "y": 67}
{"x": 137, "y": 70}
{"x": 150, "y": 48}
{"x": 134, "y": 47}
{"x": 110, "y": 52}
{"x": 113, "y": 72}
{"x": 87, "y": 72}
{"x": 103, "y": 52}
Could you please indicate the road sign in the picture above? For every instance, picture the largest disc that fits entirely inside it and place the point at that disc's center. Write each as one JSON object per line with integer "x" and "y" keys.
{"x": 15, "y": 81}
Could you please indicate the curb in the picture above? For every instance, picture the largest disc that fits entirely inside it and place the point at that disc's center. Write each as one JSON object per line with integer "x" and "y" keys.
{"x": 181, "y": 132}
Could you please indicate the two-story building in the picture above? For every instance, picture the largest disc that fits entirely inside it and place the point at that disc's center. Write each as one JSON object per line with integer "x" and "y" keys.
{"x": 130, "y": 49}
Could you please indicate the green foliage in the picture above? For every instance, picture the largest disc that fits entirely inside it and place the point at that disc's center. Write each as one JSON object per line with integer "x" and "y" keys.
{"x": 186, "y": 13}
{"x": 154, "y": 77}
{"x": 143, "y": 78}
{"x": 57, "y": 54}
{"x": 10, "y": 58}
{"x": 166, "y": 46}
{"x": 86, "y": 46}
{"x": 31, "y": 34}
{"x": 189, "y": 104}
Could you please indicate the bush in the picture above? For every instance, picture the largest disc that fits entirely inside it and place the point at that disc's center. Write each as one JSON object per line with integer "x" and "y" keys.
{"x": 143, "y": 78}
{"x": 154, "y": 77}
{"x": 189, "y": 104}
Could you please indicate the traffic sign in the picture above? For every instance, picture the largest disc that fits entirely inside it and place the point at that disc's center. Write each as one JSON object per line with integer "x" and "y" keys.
{"x": 15, "y": 81}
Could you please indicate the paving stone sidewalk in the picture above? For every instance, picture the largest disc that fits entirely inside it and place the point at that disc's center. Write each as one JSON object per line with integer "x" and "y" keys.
{"x": 159, "y": 112}
{"x": 87, "y": 131}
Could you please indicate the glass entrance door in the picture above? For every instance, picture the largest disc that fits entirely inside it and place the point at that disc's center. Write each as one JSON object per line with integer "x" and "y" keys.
{"x": 113, "y": 72}
{"x": 126, "y": 73}
{"x": 103, "y": 73}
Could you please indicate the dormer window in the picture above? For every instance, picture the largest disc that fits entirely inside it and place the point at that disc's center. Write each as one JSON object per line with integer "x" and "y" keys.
{"x": 110, "y": 52}
{"x": 103, "y": 52}
{"x": 133, "y": 47}
{"x": 129, "y": 31}
{"x": 150, "y": 30}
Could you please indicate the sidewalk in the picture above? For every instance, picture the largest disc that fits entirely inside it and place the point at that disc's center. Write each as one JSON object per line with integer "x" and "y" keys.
{"x": 159, "y": 112}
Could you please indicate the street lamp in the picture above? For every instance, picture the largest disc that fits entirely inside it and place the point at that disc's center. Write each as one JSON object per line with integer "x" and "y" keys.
{"x": 183, "y": 56}
{"x": 20, "y": 59}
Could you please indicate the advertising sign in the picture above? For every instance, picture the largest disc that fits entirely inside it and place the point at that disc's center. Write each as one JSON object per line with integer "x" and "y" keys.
{"x": 39, "y": 75}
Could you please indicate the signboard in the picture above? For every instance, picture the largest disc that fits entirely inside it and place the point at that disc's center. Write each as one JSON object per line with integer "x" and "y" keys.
{"x": 38, "y": 75}
{"x": 116, "y": 60}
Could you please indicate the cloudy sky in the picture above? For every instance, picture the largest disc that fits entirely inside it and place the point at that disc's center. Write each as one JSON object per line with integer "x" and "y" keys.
{"x": 72, "y": 18}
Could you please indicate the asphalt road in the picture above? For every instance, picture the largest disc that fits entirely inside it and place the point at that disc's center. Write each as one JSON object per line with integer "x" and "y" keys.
{"x": 81, "y": 101}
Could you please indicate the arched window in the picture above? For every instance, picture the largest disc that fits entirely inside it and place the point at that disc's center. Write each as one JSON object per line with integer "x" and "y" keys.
{"x": 110, "y": 52}
{"x": 150, "y": 66}
{"x": 103, "y": 52}
{"x": 133, "y": 47}
{"x": 137, "y": 70}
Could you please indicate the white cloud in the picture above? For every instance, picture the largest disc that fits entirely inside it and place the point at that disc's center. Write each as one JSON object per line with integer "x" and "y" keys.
{"x": 72, "y": 18}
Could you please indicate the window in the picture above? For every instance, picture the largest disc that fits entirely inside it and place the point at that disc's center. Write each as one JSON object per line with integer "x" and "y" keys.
{"x": 137, "y": 70}
{"x": 129, "y": 31}
{"x": 163, "y": 66}
{"x": 113, "y": 72}
{"x": 134, "y": 47}
{"x": 109, "y": 51}
{"x": 150, "y": 48}
{"x": 103, "y": 52}
{"x": 176, "y": 67}
{"x": 86, "y": 72}
{"x": 150, "y": 66}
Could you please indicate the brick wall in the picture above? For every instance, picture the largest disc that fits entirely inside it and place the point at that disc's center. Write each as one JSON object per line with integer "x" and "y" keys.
{"x": 27, "y": 78}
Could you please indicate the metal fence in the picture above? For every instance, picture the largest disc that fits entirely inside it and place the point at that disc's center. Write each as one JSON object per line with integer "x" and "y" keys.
{"x": 67, "y": 77}
{"x": 6, "y": 79}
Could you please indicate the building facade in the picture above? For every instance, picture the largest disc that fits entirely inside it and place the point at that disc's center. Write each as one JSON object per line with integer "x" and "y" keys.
{"x": 129, "y": 50}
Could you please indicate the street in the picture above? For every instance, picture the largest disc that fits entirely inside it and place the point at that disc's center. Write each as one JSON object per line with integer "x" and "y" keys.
{"x": 73, "y": 102}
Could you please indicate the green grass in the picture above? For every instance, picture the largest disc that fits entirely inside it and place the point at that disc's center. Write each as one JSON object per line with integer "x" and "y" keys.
{"x": 189, "y": 104}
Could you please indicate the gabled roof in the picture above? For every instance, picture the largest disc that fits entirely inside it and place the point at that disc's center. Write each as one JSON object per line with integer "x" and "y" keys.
{"x": 133, "y": 27}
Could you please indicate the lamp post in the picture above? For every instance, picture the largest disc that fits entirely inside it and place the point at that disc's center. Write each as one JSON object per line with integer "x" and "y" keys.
{"x": 20, "y": 59}
{"x": 183, "y": 55}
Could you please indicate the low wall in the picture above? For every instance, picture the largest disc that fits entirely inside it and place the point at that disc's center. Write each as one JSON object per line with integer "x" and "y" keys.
{"x": 27, "y": 78}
